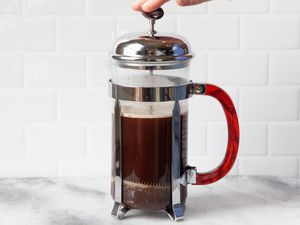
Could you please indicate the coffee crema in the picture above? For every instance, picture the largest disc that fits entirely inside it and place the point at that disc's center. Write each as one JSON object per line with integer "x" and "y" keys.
{"x": 146, "y": 145}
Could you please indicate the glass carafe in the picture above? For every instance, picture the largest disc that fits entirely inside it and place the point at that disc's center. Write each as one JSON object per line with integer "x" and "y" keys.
{"x": 150, "y": 87}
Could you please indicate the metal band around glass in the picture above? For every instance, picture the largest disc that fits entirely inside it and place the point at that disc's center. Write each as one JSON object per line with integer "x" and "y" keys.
{"x": 156, "y": 94}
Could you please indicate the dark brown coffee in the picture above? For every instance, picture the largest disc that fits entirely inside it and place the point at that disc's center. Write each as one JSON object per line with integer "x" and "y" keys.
{"x": 147, "y": 159}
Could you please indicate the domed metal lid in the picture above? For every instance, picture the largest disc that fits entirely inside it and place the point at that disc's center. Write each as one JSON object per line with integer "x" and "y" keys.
{"x": 142, "y": 51}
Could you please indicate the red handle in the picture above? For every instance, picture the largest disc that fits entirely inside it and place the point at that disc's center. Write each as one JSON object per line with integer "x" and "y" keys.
{"x": 233, "y": 137}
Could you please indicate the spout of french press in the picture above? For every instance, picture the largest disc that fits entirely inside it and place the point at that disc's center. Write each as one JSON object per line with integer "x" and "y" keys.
{"x": 153, "y": 16}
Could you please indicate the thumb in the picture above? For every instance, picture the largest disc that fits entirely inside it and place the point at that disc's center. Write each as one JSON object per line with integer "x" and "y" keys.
{"x": 152, "y": 5}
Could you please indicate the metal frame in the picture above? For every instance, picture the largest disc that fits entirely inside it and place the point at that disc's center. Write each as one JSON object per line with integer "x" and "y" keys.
{"x": 119, "y": 209}
{"x": 160, "y": 94}
{"x": 176, "y": 212}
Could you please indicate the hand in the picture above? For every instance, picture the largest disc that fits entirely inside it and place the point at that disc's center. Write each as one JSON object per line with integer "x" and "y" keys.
{"x": 151, "y": 5}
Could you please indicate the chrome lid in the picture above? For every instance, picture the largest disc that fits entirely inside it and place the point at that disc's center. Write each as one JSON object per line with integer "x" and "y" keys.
{"x": 151, "y": 51}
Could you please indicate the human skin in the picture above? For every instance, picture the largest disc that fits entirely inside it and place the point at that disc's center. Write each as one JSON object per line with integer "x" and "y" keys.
{"x": 151, "y": 5}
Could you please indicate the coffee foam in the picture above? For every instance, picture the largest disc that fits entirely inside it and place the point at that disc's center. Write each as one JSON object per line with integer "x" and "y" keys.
{"x": 150, "y": 113}
{"x": 151, "y": 110}
{"x": 144, "y": 116}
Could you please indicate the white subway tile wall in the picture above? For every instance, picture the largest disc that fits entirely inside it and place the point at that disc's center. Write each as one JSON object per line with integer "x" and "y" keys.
{"x": 24, "y": 105}
{"x": 55, "y": 113}
{"x": 269, "y": 104}
{"x": 287, "y": 6}
{"x": 54, "y": 6}
{"x": 10, "y": 6}
{"x": 85, "y": 33}
{"x": 172, "y": 8}
{"x": 254, "y": 139}
{"x": 94, "y": 167}
{"x": 12, "y": 144}
{"x": 26, "y": 33}
{"x": 210, "y": 32}
{"x": 98, "y": 63}
{"x": 128, "y": 24}
{"x": 238, "y": 69}
{"x": 11, "y": 70}
{"x": 56, "y": 141}
{"x": 28, "y": 168}
{"x": 203, "y": 108}
{"x": 284, "y": 139}
{"x": 85, "y": 105}
{"x": 206, "y": 163}
{"x": 111, "y": 7}
{"x": 284, "y": 68}
{"x": 97, "y": 140}
{"x": 272, "y": 166}
{"x": 270, "y": 32}
{"x": 239, "y": 6}
{"x": 54, "y": 70}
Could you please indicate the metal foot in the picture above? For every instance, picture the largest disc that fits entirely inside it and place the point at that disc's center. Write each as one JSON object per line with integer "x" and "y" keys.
{"x": 176, "y": 212}
{"x": 119, "y": 211}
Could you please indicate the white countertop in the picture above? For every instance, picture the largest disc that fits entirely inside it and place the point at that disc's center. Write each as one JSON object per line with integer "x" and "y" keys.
{"x": 234, "y": 200}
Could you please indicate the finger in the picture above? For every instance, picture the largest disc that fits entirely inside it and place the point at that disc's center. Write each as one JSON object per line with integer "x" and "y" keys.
{"x": 189, "y": 2}
{"x": 137, "y": 6}
{"x": 152, "y": 5}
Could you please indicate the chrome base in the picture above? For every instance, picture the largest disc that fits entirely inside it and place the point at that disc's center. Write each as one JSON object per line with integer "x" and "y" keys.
{"x": 119, "y": 210}
{"x": 176, "y": 213}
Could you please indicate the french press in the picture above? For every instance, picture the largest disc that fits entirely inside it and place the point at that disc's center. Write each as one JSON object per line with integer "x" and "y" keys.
{"x": 151, "y": 90}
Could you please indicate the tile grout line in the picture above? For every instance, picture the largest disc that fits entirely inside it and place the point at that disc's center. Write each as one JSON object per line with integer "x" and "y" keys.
{"x": 84, "y": 7}
{"x": 56, "y": 35}
{"x": 206, "y": 139}
{"x": 86, "y": 152}
{"x": 58, "y": 116}
{"x": 22, "y": 5}
{"x": 85, "y": 85}
{"x": 299, "y": 167}
{"x": 268, "y": 69}
{"x": 23, "y": 71}
{"x": 268, "y": 140}
{"x": 298, "y": 105}
{"x": 269, "y": 8}
{"x": 240, "y": 34}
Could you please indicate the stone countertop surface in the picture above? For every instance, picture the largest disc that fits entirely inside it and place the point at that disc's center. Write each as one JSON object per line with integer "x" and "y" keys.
{"x": 234, "y": 200}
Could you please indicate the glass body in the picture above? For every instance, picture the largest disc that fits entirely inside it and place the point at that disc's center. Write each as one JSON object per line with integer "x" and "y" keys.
{"x": 146, "y": 145}
{"x": 146, "y": 140}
